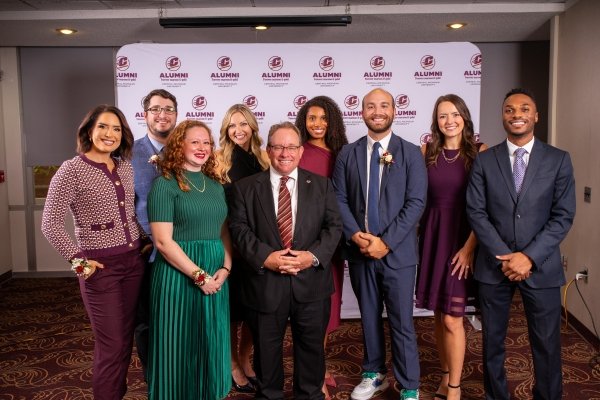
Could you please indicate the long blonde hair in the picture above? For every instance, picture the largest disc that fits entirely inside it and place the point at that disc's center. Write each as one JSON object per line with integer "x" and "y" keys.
{"x": 227, "y": 145}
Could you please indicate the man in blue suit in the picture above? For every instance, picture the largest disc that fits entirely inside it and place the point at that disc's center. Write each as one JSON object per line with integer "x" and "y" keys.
{"x": 160, "y": 112}
{"x": 521, "y": 204}
{"x": 381, "y": 184}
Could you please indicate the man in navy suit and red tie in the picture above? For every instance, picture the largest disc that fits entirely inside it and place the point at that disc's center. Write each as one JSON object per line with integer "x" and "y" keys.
{"x": 381, "y": 184}
{"x": 286, "y": 225}
{"x": 521, "y": 205}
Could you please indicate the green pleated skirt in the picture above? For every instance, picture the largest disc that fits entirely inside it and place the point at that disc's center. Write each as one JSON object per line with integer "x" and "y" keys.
{"x": 190, "y": 353}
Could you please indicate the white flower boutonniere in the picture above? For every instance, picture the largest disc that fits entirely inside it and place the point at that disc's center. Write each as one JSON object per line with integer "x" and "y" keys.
{"x": 153, "y": 159}
{"x": 387, "y": 158}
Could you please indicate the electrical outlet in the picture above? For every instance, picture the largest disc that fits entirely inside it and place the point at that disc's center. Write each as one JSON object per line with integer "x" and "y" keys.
{"x": 582, "y": 275}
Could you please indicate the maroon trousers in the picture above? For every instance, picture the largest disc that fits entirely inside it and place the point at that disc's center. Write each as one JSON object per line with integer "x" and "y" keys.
{"x": 110, "y": 296}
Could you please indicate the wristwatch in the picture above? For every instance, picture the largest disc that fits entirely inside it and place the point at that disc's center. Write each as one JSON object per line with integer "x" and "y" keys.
{"x": 315, "y": 261}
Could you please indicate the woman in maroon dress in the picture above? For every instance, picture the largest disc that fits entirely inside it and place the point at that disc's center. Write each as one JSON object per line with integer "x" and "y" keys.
{"x": 446, "y": 241}
{"x": 321, "y": 124}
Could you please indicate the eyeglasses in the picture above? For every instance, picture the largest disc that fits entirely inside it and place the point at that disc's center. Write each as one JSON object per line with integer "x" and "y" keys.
{"x": 157, "y": 110}
{"x": 279, "y": 148}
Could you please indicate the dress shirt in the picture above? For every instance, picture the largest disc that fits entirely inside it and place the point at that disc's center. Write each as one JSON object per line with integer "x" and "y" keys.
{"x": 292, "y": 185}
{"x": 385, "y": 142}
{"x": 511, "y": 152}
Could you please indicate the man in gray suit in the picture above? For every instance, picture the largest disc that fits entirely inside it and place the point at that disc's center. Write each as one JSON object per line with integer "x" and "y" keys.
{"x": 160, "y": 112}
{"x": 521, "y": 205}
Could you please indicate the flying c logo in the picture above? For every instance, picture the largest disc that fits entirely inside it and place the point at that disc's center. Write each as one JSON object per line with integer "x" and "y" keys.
{"x": 251, "y": 101}
{"x": 173, "y": 63}
{"x": 351, "y": 102}
{"x": 402, "y": 101}
{"x": 299, "y": 101}
{"x": 199, "y": 102}
{"x": 122, "y": 63}
{"x": 476, "y": 61}
{"x": 224, "y": 63}
{"x": 326, "y": 63}
{"x": 377, "y": 63}
{"x": 427, "y": 62}
{"x": 275, "y": 63}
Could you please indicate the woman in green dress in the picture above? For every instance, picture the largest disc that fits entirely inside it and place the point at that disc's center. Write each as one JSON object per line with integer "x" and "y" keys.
{"x": 189, "y": 355}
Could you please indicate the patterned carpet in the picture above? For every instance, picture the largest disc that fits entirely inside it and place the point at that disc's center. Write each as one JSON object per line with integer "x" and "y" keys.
{"x": 46, "y": 352}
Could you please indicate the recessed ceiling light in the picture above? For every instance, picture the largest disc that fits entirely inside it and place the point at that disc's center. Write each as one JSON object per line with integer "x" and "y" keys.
{"x": 456, "y": 25}
{"x": 261, "y": 27}
{"x": 66, "y": 31}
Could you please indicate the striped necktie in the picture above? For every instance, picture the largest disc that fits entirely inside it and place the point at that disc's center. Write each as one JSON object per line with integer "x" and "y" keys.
{"x": 284, "y": 213}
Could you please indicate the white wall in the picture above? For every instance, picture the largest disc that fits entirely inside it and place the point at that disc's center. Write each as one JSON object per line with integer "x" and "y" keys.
{"x": 577, "y": 103}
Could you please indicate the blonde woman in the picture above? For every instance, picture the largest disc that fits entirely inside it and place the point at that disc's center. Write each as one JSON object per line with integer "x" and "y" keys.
{"x": 240, "y": 156}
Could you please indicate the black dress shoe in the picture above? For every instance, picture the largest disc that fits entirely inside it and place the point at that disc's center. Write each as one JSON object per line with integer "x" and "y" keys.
{"x": 253, "y": 380}
{"x": 247, "y": 388}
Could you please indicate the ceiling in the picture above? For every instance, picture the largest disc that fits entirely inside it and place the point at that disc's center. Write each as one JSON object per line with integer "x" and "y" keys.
{"x": 115, "y": 23}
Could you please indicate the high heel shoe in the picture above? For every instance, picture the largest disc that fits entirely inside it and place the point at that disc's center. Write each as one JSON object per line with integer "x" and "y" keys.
{"x": 247, "y": 388}
{"x": 439, "y": 395}
{"x": 253, "y": 380}
{"x": 330, "y": 381}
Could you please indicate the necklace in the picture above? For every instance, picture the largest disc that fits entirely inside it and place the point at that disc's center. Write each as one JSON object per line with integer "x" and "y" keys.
{"x": 194, "y": 186}
{"x": 452, "y": 159}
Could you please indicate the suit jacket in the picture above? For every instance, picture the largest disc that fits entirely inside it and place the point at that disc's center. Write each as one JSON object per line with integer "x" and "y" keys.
{"x": 402, "y": 198}
{"x": 535, "y": 222}
{"x": 144, "y": 174}
{"x": 253, "y": 225}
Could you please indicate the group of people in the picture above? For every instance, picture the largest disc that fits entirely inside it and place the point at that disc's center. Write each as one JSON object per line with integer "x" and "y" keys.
{"x": 206, "y": 255}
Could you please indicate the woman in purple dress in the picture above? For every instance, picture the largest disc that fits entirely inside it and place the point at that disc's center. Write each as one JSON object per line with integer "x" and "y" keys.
{"x": 447, "y": 243}
{"x": 321, "y": 124}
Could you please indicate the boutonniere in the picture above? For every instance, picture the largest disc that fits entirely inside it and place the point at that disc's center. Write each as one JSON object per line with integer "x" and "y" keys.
{"x": 153, "y": 159}
{"x": 387, "y": 158}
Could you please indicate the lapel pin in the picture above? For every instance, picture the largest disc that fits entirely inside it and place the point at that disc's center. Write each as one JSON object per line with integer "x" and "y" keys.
{"x": 308, "y": 181}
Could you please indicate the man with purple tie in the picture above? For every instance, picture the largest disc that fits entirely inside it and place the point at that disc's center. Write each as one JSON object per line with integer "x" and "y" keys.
{"x": 521, "y": 205}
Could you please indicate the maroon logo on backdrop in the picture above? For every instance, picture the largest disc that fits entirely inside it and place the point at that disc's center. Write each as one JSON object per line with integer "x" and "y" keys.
{"x": 199, "y": 102}
{"x": 476, "y": 61}
{"x": 351, "y": 102}
{"x": 173, "y": 63}
{"x": 427, "y": 62}
{"x": 425, "y": 138}
{"x": 377, "y": 63}
{"x": 299, "y": 101}
{"x": 250, "y": 101}
{"x": 402, "y": 101}
{"x": 224, "y": 63}
{"x": 275, "y": 63}
{"x": 326, "y": 63}
{"x": 122, "y": 63}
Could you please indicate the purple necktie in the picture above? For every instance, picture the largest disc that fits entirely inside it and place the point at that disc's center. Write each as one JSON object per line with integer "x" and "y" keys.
{"x": 519, "y": 168}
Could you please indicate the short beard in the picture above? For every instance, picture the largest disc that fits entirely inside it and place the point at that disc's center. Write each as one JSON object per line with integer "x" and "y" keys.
{"x": 376, "y": 130}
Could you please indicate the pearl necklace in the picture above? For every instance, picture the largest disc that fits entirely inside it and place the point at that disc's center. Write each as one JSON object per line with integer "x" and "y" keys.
{"x": 194, "y": 186}
{"x": 450, "y": 160}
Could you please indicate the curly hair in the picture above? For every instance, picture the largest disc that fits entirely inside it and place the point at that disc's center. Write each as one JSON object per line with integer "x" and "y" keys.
{"x": 84, "y": 142}
{"x": 227, "y": 145}
{"x": 468, "y": 146}
{"x": 172, "y": 162}
{"x": 335, "y": 137}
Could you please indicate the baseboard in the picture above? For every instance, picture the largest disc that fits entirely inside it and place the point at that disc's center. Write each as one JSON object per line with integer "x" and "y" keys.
{"x": 583, "y": 330}
{"x": 5, "y": 277}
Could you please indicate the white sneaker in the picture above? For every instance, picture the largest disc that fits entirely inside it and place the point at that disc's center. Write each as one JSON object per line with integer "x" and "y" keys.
{"x": 372, "y": 384}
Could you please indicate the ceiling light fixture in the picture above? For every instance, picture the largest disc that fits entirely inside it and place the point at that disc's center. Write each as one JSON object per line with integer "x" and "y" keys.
{"x": 261, "y": 27}
{"x": 456, "y": 25}
{"x": 66, "y": 31}
{"x": 269, "y": 21}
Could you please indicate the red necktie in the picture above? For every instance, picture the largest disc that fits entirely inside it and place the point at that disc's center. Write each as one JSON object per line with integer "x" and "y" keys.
{"x": 284, "y": 213}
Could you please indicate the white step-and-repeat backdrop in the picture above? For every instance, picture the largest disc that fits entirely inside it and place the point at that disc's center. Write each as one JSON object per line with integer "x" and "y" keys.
{"x": 274, "y": 81}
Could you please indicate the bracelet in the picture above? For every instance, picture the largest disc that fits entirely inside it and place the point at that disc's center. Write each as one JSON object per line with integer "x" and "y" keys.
{"x": 81, "y": 267}
{"x": 226, "y": 269}
{"x": 200, "y": 277}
